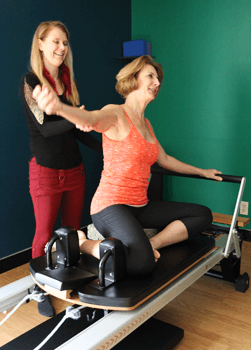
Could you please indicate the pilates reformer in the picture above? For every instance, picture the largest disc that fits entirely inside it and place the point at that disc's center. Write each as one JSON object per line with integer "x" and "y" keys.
{"x": 115, "y": 304}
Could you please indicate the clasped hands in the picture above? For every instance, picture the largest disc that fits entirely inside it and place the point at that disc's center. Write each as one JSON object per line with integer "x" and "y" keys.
{"x": 84, "y": 128}
{"x": 49, "y": 102}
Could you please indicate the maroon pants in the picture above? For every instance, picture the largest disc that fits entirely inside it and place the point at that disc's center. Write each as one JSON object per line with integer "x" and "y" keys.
{"x": 51, "y": 190}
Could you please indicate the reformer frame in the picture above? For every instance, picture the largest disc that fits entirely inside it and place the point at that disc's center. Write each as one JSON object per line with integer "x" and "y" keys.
{"x": 116, "y": 325}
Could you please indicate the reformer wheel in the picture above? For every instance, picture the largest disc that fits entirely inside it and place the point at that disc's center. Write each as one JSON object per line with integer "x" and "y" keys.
{"x": 242, "y": 283}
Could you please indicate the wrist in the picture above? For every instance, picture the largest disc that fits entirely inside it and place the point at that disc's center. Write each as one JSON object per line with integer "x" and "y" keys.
{"x": 60, "y": 108}
{"x": 202, "y": 172}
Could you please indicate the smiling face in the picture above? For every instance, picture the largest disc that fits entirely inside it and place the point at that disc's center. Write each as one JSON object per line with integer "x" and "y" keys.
{"x": 148, "y": 82}
{"x": 54, "y": 48}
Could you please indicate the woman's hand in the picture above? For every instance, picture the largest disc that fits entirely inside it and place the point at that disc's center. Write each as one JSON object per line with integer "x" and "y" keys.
{"x": 47, "y": 100}
{"x": 84, "y": 128}
{"x": 212, "y": 174}
{"x": 81, "y": 127}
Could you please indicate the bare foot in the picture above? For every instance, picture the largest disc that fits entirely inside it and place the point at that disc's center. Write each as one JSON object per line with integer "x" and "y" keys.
{"x": 82, "y": 238}
{"x": 155, "y": 251}
{"x": 88, "y": 246}
{"x": 156, "y": 255}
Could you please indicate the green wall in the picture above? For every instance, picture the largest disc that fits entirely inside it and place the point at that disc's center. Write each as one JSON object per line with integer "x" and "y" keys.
{"x": 202, "y": 114}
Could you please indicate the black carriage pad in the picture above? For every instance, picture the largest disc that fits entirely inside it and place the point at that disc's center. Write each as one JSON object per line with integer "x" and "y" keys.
{"x": 129, "y": 292}
{"x": 61, "y": 277}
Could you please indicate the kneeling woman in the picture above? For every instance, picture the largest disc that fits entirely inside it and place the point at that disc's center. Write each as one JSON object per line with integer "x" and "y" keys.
{"x": 120, "y": 207}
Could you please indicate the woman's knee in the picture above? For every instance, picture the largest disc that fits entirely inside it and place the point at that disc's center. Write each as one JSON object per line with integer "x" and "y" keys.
{"x": 207, "y": 215}
{"x": 200, "y": 220}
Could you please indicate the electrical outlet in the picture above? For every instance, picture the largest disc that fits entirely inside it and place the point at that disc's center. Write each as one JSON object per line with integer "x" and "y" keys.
{"x": 244, "y": 208}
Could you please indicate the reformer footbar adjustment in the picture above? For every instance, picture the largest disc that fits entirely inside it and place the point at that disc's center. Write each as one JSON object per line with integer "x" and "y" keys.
{"x": 112, "y": 265}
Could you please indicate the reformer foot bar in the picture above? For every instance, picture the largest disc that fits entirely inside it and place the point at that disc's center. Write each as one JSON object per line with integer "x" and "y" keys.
{"x": 134, "y": 300}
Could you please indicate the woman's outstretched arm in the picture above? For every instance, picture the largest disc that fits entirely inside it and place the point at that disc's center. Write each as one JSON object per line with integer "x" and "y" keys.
{"x": 173, "y": 164}
{"x": 100, "y": 120}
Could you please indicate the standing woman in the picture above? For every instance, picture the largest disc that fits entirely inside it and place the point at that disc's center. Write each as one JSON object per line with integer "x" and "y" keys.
{"x": 56, "y": 171}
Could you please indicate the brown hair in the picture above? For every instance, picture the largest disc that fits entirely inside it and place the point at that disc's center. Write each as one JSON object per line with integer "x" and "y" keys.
{"x": 36, "y": 60}
{"x": 127, "y": 76}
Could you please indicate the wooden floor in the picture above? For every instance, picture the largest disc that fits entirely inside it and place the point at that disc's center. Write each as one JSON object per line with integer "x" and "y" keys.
{"x": 213, "y": 315}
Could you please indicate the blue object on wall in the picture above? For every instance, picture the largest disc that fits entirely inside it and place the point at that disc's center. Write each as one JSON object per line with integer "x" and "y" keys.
{"x": 149, "y": 49}
{"x": 136, "y": 48}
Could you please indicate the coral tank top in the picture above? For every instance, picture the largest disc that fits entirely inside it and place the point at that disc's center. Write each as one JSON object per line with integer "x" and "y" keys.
{"x": 127, "y": 170}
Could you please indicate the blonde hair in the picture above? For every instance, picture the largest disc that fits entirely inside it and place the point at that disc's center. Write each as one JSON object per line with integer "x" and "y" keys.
{"x": 127, "y": 76}
{"x": 36, "y": 60}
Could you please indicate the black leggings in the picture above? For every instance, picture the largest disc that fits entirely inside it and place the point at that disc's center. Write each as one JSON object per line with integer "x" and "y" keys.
{"x": 126, "y": 223}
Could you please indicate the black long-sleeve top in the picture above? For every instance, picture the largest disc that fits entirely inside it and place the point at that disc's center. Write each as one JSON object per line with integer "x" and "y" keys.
{"x": 53, "y": 139}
